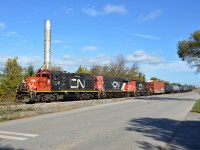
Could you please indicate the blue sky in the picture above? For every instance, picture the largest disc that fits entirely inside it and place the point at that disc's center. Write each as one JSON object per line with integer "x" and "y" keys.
{"x": 95, "y": 31}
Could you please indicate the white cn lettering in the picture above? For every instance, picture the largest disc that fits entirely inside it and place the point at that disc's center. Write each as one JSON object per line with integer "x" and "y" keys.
{"x": 78, "y": 83}
{"x": 116, "y": 84}
{"x": 32, "y": 80}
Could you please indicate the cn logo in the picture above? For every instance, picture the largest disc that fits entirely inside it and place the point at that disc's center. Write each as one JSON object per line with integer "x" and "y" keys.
{"x": 76, "y": 83}
{"x": 140, "y": 86}
{"x": 31, "y": 84}
{"x": 116, "y": 85}
{"x": 99, "y": 86}
{"x": 32, "y": 80}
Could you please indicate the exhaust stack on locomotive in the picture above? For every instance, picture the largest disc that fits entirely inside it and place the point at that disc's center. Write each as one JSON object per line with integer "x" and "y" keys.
{"x": 47, "y": 46}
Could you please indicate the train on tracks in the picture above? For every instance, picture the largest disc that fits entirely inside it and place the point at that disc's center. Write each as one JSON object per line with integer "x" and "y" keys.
{"x": 48, "y": 85}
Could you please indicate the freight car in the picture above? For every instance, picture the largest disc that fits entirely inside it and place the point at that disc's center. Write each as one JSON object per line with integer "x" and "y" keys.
{"x": 172, "y": 88}
{"x": 168, "y": 89}
{"x": 156, "y": 86}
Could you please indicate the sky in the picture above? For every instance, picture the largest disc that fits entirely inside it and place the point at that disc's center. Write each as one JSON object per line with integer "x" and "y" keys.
{"x": 88, "y": 32}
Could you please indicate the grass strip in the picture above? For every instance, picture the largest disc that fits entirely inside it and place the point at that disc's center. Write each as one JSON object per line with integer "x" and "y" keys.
{"x": 9, "y": 112}
{"x": 196, "y": 107}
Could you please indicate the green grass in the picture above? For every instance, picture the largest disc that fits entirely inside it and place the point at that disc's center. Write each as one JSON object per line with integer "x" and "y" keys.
{"x": 196, "y": 107}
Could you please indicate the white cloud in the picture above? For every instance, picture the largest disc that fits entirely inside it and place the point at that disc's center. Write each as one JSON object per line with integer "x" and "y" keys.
{"x": 176, "y": 66}
{"x": 151, "y": 16}
{"x": 56, "y": 41}
{"x": 24, "y": 61}
{"x": 108, "y": 9}
{"x": 8, "y": 33}
{"x": 143, "y": 57}
{"x": 145, "y": 36}
{"x": 84, "y": 61}
{"x": 114, "y": 9}
{"x": 89, "y": 48}
{"x": 68, "y": 62}
{"x": 66, "y": 46}
{"x": 67, "y": 10}
{"x": 36, "y": 61}
{"x": 2, "y": 26}
{"x": 172, "y": 71}
{"x": 91, "y": 11}
{"x": 4, "y": 32}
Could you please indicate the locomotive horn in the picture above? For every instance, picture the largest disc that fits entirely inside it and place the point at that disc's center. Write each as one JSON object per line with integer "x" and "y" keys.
{"x": 47, "y": 46}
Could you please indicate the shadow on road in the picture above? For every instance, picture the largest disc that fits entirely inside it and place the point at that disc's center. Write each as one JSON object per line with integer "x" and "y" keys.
{"x": 161, "y": 129}
{"x": 8, "y": 147}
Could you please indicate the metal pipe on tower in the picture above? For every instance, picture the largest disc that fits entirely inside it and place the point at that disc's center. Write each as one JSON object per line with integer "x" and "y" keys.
{"x": 47, "y": 46}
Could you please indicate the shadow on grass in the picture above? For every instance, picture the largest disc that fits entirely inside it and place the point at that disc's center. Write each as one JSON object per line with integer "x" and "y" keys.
{"x": 182, "y": 136}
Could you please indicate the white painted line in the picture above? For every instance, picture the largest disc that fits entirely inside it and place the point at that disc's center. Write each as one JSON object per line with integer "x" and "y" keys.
{"x": 17, "y": 133}
{"x": 142, "y": 100}
{"x": 136, "y": 101}
{"x": 12, "y": 137}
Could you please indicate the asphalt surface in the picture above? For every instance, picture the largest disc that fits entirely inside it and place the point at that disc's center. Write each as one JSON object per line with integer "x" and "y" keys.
{"x": 155, "y": 122}
{"x": 187, "y": 134}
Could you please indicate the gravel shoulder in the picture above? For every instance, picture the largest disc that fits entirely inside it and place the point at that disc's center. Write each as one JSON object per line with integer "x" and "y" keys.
{"x": 17, "y": 111}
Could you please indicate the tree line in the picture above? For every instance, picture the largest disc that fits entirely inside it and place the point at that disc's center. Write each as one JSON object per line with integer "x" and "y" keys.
{"x": 10, "y": 76}
{"x": 117, "y": 68}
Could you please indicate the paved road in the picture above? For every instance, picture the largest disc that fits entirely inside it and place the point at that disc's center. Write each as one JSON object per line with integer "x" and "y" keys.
{"x": 138, "y": 123}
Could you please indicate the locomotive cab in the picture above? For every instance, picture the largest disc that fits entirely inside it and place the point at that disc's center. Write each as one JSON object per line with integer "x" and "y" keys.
{"x": 40, "y": 82}
{"x": 27, "y": 89}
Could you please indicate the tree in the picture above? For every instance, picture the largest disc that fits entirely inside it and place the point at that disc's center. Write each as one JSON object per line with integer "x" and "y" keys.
{"x": 56, "y": 68}
{"x": 154, "y": 78}
{"x": 106, "y": 70}
{"x": 118, "y": 68}
{"x": 141, "y": 77}
{"x": 167, "y": 82}
{"x": 12, "y": 76}
{"x": 189, "y": 50}
{"x": 29, "y": 72}
{"x": 96, "y": 70}
{"x": 133, "y": 72}
{"x": 83, "y": 70}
